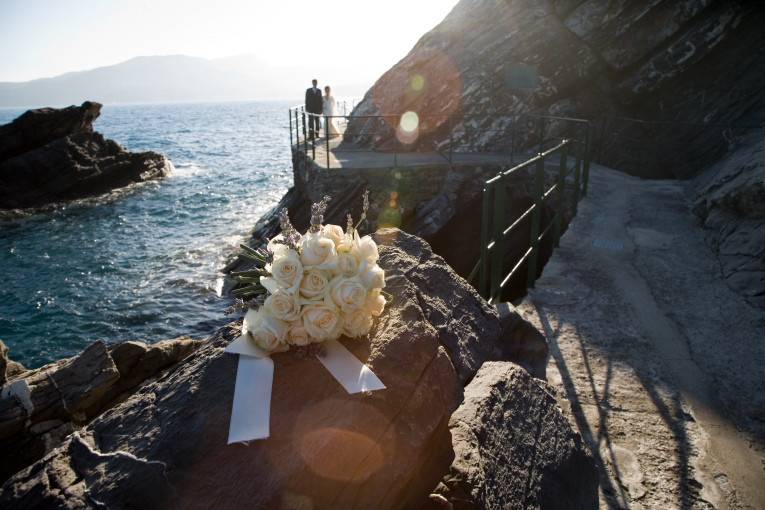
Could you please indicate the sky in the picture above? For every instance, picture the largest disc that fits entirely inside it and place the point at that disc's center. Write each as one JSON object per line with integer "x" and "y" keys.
{"x": 360, "y": 38}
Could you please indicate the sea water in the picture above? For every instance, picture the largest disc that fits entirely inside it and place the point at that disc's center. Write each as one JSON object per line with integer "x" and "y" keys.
{"x": 144, "y": 263}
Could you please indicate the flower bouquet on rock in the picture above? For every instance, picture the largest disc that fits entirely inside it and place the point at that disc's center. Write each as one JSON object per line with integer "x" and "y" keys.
{"x": 304, "y": 293}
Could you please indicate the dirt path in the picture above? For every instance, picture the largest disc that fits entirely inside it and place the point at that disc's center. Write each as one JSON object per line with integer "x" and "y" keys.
{"x": 657, "y": 362}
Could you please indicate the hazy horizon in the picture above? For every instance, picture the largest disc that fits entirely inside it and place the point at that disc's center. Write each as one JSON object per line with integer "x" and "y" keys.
{"x": 338, "y": 41}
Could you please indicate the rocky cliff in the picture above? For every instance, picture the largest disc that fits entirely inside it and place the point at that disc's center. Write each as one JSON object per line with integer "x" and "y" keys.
{"x": 729, "y": 199}
{"x": 689, "y": 70}
{"x": 49, "y": 155}
{"x": 164, "y": 446}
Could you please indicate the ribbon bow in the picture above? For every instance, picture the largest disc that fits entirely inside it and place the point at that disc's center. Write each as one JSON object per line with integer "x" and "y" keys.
{"x": 251, "y": 409}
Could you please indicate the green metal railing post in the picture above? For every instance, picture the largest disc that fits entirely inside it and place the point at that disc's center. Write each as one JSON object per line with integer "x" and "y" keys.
{"x": 297, "y": 131}
{"x": 577, "y": 178}
{"x": 586, "y": 176}
{"x": 326, "y": 134}
{"x": 313, "y": 138}
{"x": 289, "y": 114}
{"x": 541, "y": 134}
{"x": 305, "y": 137}
{"x": 558, "y": 225}
{"x": 483, "y": 271}
{"x": 498, "y": 251}
{"x": 536, "y": 220}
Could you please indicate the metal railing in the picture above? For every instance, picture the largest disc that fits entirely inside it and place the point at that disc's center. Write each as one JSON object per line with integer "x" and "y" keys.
{"x": 299, "y": 122}
{"x": 524, "y": 131}
{"x": 492, "y": 279}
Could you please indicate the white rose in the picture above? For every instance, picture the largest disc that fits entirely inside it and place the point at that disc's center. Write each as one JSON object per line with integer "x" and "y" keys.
{"x": 372, "y": 275}
{"x": 348, "y": 293}
{"x": 375, "y": 303}
{"x": 266, "y": 331}
{"x": 322, "y": 322}
{"x": 334, "y": 232}
{"x": 347, "y": 265}
{"x": 365, "y": 249}
{"x": 343, "y": 242}
{"x": 318, "y": 251}
{"x": 297, "y": 334}
{"x": 315, "y": 285}
{"x": 286, "y": 272}
{"x": 356, "y": 323}
{"x": 282, "y": 305}
{"x": 276, "y": 245}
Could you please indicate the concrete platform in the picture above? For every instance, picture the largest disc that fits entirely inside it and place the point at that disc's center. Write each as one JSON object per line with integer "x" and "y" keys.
{"x": 345, "y": 156}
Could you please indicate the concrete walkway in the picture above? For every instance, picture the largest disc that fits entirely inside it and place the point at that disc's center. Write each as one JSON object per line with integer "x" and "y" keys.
{"x": 347, "y": 156}
{"x": 659, "y": 365}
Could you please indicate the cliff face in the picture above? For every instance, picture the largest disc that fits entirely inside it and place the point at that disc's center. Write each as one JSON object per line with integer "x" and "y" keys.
{"x": 490, "y": 62}
{"x": 730, "y": 201}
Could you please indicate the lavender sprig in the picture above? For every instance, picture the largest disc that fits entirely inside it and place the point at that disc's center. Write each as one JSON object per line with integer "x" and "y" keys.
{"x": 364, "y": 208}
{"x": 290, "y": 235}
{"x": 317, "y": 214}
{"x": 349, "y": 225}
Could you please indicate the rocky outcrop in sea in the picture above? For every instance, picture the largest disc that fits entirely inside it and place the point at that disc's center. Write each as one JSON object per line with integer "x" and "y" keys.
{"x": 164, "y": 445}
{"x": 50, "y": 155}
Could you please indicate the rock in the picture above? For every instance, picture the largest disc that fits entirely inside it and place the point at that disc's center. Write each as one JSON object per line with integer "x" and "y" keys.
{"x": 8, "y": 368}
{"x": 38, "y": 408}
{"x": 35, "y": 128}
{"x": 165, "y": 445}
{"x": 137, "y": 362}
{"x": 730, "y": 201}
{"x": 50, "y": 155}
{"x": 513, "y": 448}
{"x": 689, "y": 61}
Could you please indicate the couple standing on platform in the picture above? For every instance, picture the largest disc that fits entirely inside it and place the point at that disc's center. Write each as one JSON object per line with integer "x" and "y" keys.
{"x": 321, "y": 105}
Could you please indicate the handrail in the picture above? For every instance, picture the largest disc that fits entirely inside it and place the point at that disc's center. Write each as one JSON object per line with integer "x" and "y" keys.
{"x": 492, "y": 280}
{"x": 489, "y": 270}
{"x": 448, "y": 147}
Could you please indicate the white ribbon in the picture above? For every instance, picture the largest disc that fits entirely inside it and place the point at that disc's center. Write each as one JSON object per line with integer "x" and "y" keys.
{"x": 251, "y": 409}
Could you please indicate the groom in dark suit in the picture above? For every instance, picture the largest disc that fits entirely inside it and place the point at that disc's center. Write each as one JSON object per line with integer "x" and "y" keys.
{"x": 313, "y": 104}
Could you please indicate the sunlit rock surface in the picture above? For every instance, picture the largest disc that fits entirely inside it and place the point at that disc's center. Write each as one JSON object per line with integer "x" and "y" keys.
{"x": 474, "y": 76}
{"x": 514, "y": 448}
{"x": 50, "y": 155}
{"x": 165, "y": 446}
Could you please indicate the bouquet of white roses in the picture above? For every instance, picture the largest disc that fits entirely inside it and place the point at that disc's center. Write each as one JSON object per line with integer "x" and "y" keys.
{"x": 313, "y": 287}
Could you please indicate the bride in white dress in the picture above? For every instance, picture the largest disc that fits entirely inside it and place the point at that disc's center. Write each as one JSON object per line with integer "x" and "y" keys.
{"x": 330, "y": 109}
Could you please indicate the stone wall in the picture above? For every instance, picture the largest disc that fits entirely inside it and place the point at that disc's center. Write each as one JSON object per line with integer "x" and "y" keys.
{"x": 399, "y": 197}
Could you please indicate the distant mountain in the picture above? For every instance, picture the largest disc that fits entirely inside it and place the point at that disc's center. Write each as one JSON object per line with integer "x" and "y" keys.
{"x": 162, "y": 79}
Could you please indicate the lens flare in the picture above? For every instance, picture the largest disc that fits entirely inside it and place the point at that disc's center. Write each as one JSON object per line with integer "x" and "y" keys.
{"x": 410, "y": 121}
{"x": 390, "y": 216}
{"x": 418, "y": 82}
{"x": 408, "y": 128}
{"x": 427, "y": 82}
